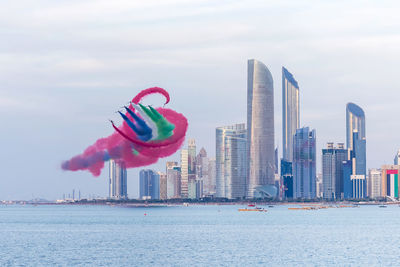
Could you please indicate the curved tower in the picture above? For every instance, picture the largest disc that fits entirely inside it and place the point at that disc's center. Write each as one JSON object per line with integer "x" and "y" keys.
{"x": 260, "y": 128}
{"x": 290, "y": 113}
{"x": 355, "y": 122}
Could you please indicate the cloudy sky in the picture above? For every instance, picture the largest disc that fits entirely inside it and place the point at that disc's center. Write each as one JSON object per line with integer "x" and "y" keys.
{"x": 66, "y": 66}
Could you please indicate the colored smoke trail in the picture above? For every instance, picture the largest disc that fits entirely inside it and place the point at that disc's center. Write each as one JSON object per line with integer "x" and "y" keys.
{"x": 125, "y": 144}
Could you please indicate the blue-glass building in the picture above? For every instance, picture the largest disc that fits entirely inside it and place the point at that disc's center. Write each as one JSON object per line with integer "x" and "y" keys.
{"x": 149, "y": 183}
{"x": 287, "y": 177}
{"x": 304, "y": 164}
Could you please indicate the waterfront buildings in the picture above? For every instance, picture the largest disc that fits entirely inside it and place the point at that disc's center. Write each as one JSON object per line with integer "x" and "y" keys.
{"x": 374, "y": 183}
{"x": 390, "y": 181}
{"x": 173, "y": 172}
{"x": 397, "y": 158}
{"x": 260, "y": 130}
{"x": 211, "y": 183}
{"x": 356, "y": 144}
{"x": 163, "y": 185}
{"x": 117, "y": 180}
{"x": 184, "y": 173}
{"x": 231, "y": 161}
{"x": 202, "y": 179}
{"x": 304, "y": 164}
{"x": 355, "y": 121}
{"x": 332, "y": 170}
{"x": 149, "y": 184}
{"x": 290, "y": 113}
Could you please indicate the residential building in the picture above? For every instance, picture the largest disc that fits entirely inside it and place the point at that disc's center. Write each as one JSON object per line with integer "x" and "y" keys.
{"x": 118, "y": 188}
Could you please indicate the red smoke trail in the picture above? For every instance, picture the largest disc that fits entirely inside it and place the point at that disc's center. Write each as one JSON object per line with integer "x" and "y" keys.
{"x": 119, "y": 147}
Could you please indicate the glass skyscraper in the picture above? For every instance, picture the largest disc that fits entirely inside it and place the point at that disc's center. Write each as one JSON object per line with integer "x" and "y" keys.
{"x": 356, "y": 142}
{"x": 290, "y": 113}
{"x": 332, "y": 170}
{"x": 149, "y": 184}
{"x": 304, "y": 164}
{"x": 117, "y": 180}
{"x": 260, "y": 130}
{"x": 231, "y": 161}
{"x": 355, "y": 121}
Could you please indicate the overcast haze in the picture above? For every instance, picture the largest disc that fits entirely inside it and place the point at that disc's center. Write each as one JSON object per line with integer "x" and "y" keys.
{"x": 67, "y": 66}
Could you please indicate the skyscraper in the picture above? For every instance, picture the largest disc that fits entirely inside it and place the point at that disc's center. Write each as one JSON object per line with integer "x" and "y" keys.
{"x": 332, "y": 170}
{"x": 202, "y": 180}
{"x": 191, "y": 156}
{"x": 290, "y": 112}
{"x": 356, "y": 143}
{"x": 173, "y": 180}
{"x": 117, "y": 180}
{"x": 212, "y": 177}
{"x": 184, "y": 173}
{"x": 260, "y": 130}
{"x": 397, "y": 158}
{"x": 304, "y": 164}
{"x": 355, "y": 121}
{"x": 231, "y": 161}
{"x": 163, "y": 185}
{"x": 149, "y": 184}
{"x": 374, "y": 183}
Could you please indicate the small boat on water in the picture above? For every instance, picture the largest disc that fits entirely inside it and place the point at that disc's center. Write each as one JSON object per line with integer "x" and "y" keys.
{"x": 382, "y": 206}
{"x": 253, "y": 209}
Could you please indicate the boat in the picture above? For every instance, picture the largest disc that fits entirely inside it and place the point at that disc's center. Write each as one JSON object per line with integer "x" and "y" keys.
{"x": 254, "y": 209}
{"x": 382, "y": 206}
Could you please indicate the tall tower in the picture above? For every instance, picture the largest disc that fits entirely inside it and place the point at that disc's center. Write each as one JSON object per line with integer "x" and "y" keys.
{"x": 355, "y": 121}
{"x": 260, "y": 129}
{"x": 356, "y": 142}
{"x": 231, "y": 161}
{"x": 117, "y": 180}
{"x": 304, "y": 164}
{"x": 184, "y": 173}
{"x": 290, "y": 113}
{"x": 149, "y": 184}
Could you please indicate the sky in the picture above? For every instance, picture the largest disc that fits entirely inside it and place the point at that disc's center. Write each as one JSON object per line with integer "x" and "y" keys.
{"x": 67, "y": 66}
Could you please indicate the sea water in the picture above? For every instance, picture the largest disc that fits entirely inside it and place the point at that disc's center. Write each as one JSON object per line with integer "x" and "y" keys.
{"x": 198, "y": 235}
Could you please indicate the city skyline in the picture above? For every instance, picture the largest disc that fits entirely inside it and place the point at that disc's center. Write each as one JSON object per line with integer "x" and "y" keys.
{"x": 72, "y": 81}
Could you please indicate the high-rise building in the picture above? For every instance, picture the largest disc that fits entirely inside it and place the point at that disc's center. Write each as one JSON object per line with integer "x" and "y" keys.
{"x": 192, "y": 156}
{"x": 304, "y": 163}
{"x": 390, "y": 181}
{"x": 260, "y": 131}
{"x": 184, "y": 173}
{"x": 117, "y": 180}
{"x": 374, "y": 183}
{"x": 149, "y": 184}
{"x": 355, "y": 121}
{"x": 173, "y": 180}
{"x": 212, "y": 177}
{"x": 356, "y": 144}
{"x": 332, "y": 170}
{"x": 287, "y": 177}
{"x": 163, "y": 185}
{"x": 290, "y": 113}
{"x": 231, "y": 161}
{"x": 202, "y": 179}
{"x": 397, "y": 158}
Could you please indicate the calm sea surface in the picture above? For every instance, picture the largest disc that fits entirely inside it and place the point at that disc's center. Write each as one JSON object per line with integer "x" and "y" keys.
{"x": 198, "y": 236}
